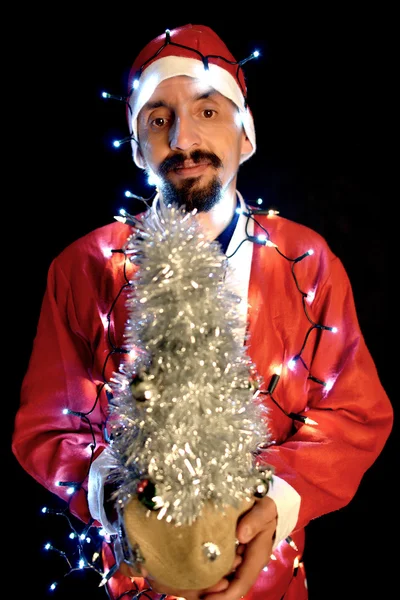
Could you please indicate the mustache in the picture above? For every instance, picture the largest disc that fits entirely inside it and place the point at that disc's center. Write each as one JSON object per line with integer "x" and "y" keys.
{"x": 177, "y": 160}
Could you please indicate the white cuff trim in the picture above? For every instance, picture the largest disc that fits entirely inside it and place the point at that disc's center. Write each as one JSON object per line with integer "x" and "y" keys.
{"x": 98, "y": 473}
{"x": 287, "y": 502}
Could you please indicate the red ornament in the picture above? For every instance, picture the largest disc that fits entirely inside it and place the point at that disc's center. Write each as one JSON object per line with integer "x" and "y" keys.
{"x": 142, "y": 486}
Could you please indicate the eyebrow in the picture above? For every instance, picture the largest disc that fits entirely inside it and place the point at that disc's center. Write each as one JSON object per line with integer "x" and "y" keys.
{"x": 160, "y": 103}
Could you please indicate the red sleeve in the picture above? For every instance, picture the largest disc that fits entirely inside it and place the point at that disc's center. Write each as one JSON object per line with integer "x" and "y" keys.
{"x": 325, "y": 463}
{"x": 51, "y": 446}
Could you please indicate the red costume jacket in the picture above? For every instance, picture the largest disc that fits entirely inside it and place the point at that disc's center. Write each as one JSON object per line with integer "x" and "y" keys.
{"x": 75, "y": 352}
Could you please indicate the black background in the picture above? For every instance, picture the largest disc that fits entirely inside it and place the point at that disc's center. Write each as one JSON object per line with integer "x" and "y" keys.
{"x": 322, "y": 98}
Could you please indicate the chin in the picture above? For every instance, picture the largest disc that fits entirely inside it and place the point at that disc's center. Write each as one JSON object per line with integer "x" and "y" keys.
{"x": 193, "y": 193}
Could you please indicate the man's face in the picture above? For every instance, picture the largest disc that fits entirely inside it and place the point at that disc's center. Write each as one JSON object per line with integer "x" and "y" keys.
{"x": 191, "y": 138}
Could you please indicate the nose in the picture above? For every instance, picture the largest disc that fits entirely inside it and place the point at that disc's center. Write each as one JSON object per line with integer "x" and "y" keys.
{"x": 184, "y": 134}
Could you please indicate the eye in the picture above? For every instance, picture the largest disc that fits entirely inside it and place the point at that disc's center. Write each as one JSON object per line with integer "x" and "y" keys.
{"x": 159, "y": 122}
{"x": 208, "y": 113}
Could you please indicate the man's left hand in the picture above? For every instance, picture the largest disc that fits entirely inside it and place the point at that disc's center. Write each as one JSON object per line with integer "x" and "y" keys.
{"x": 256, "y": 530}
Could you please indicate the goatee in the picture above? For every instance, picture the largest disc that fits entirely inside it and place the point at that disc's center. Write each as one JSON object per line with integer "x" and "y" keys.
{"x": 190, "y": 194}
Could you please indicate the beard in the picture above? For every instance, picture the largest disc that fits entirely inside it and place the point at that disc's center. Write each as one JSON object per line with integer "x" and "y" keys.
{"x": 190, "y": 194}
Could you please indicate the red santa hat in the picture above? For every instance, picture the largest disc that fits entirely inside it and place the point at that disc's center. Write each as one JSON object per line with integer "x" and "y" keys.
{"x": 193, "y": 50}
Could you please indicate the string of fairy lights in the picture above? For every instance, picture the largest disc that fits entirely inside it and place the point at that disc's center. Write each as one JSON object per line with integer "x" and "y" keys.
{"x": 91, "y": 536}
{"x": 88, "y": 542}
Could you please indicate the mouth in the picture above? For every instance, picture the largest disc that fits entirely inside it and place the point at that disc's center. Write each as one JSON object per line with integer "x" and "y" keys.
{"x": 191, "y": 168}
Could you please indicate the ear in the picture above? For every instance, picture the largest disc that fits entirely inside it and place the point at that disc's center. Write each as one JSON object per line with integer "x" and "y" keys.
{"x": 246, "y": 145}
{"x": 140, "y": 155}
{"x": 140, "y": 162}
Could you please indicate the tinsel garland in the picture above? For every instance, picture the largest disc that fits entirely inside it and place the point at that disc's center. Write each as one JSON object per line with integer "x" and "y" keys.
{"x": 183, "y": 418}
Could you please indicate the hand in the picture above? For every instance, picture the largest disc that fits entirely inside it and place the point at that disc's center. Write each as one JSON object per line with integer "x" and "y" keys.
{"x": 141, "y": 571}
{"x": 256, "y": 529}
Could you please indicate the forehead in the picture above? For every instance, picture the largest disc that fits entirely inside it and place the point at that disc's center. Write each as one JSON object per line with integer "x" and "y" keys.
{"x": 182, "y": 88}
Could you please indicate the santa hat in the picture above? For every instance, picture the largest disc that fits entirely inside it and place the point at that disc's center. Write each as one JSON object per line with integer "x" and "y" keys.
{"x": 193, "y": 50}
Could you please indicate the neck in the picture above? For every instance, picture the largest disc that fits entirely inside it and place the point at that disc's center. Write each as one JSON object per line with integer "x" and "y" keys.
{"x": 218, "y": 218}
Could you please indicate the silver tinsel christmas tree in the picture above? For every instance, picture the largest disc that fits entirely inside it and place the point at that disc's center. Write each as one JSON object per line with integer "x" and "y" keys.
{"x": 184, "y": 425}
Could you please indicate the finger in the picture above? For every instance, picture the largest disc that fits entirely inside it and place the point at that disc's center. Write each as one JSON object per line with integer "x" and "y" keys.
{"x": 221, "y": 586}
{"x": 254, "y": 522}
{"x": 169, "y": 591}
{"x": 256, "y": 557}
{"x": 238, "y": 560}
{"x": 161, "y": 588}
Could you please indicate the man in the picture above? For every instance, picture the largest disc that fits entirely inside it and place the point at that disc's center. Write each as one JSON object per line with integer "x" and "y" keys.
{"x": 191, "y": 129}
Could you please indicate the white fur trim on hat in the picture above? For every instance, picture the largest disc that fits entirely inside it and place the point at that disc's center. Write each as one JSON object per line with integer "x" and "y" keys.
{"x": 171, "y": 66}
